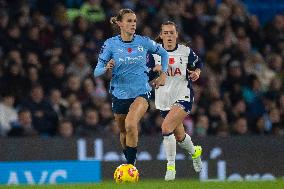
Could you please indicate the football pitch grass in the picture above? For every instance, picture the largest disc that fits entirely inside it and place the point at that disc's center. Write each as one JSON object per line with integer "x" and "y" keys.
{"x": 160, "y": 184}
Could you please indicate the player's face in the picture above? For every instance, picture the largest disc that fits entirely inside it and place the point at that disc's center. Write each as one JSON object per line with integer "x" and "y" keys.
{"x": 169, "y": 35}
{"x": 128, "y": 23}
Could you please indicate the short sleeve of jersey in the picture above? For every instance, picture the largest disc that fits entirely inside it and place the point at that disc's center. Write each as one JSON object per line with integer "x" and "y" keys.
{"x": 104, "y": 56}
{"x": 151, "y": 45}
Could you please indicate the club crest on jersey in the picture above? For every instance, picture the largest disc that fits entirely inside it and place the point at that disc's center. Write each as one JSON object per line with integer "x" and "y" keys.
{"x": 129, "y": 50}
{"x": 140, "y": 48}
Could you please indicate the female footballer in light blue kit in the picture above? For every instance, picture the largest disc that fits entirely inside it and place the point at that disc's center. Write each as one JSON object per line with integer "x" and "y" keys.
{"x": 129, "y": 84}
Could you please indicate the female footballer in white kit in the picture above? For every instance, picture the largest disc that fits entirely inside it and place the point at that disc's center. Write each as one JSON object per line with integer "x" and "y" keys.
{"x": 175, "y": 98}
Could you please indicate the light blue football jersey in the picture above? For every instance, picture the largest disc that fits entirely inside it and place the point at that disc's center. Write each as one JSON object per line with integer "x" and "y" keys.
{"x": 130, "y": 73}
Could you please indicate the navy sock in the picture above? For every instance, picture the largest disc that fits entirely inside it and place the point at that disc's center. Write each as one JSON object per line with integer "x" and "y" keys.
{"x": 131, "y": 154}
{"x": 124, "y": 152}
{"x": 168, "y": 134}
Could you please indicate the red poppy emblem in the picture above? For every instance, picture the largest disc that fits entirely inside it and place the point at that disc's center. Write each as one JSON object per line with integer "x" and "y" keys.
{"x": 171, "y": 60}
{"x": 129, "y": 50}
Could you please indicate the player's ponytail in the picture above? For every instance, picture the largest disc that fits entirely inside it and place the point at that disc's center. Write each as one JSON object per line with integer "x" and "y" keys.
{"x": 113, "y": 20}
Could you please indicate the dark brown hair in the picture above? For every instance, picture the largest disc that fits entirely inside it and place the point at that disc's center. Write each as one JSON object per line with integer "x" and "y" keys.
{"x": 113, "y": 20}
{"x": 158, "y": 39}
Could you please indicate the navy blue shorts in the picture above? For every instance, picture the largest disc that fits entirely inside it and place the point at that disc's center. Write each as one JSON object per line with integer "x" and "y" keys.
{"x": 121, "y": 106}
{"x": 185, "y": 105}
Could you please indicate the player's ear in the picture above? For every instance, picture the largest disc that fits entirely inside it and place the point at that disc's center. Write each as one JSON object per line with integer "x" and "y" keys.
{"x": 177, "y": 34}
{"x": 119, "y": 23}
{"x": 160, "y": 35}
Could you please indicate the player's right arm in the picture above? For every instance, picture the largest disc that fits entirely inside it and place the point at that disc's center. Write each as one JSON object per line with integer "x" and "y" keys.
{"x": 158, "y": 49}
{"x": 103, "y": 60}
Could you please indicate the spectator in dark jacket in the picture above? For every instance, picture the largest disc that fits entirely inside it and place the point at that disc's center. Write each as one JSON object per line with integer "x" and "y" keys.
{"x": 44, "y": 118}
{"x": 23, "y": 127}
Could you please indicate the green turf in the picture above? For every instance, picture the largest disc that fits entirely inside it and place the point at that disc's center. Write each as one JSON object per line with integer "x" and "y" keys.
{"x": 159, "y": 184}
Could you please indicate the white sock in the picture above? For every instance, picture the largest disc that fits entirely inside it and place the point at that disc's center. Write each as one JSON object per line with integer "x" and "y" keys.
{"x": 187, "y": 144}
{"x": 169, "y": 143}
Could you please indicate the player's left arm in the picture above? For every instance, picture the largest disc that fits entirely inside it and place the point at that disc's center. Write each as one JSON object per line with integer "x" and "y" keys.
{"x": 194, "y": 61}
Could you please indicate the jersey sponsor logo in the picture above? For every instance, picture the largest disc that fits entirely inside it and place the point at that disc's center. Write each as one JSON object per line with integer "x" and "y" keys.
{"x": 173, "y": 71}
{"x": 140, "y": 48}
{"x": 130, "y": 60}
{"x": 171, "y": 60}
{"x": 129, "y": 50}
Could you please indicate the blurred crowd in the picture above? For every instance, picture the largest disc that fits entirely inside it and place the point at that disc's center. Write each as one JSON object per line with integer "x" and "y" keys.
{"x": 49, "y": 48}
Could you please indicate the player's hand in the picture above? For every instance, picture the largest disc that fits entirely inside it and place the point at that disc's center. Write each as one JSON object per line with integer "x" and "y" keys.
{"x": 194, "y": 75}
{"x": 110, "y": 64}
{"x": 160, "y": 81}
{"x": 157, "y": 68}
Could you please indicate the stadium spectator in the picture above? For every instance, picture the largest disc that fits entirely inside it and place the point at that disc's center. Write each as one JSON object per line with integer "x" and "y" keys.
{"x": 240, "y": 126}
{"x": 106, "y": 115}
{"x": 44, "y": 118}
{"x": 91, "y": 124}
{"x": 260, "y": 126}
{"x": 201, "y": 126}
{"x": 57, "y": 103}
{"x": 23, "y": 127}
{"x": 73, "y": 86}
{"x": 252, "y": 94}
{"x": 217, "y": 115}
{"x": 74, "y": 113}
{"x": 65, "y": 128}
{"x": 238, "y": 109}
{"x": 13, "y": 80}
{"x": 33, "y": 76}
{"x": 80, "y": 67}
{"x": 8, "y": 113}
{"x": 223, "y": 130}
{"x": 56, "y": 77}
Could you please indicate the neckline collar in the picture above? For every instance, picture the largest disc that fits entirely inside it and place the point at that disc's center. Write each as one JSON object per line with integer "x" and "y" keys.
{"x": 173, "y": 49}
{"x": 119, "y": 36}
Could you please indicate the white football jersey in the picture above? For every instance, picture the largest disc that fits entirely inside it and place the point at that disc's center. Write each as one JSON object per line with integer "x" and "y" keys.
{"x": 177, "y": 86}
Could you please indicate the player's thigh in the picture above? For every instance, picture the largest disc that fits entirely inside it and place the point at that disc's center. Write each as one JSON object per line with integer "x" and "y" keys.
{"x": 175, "y": 117}
{"x": 137, "y": 109}
{"x": 120, "y": 121}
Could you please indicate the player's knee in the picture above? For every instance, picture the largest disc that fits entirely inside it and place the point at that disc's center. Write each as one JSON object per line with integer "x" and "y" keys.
{"x": 166, "y": 129}
{"x": 130, "y": 126}
{"x": 179, "y": 137}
